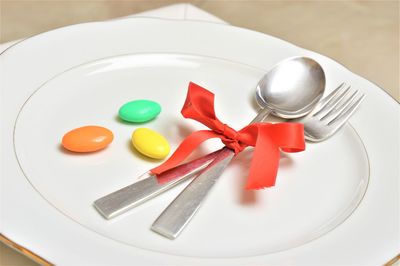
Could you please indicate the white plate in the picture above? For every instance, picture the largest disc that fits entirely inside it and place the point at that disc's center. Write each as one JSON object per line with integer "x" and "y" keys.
{"x": 82, "y": 74}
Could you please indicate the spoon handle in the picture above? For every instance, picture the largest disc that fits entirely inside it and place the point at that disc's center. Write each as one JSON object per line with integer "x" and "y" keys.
{"x": 261, "y": 115}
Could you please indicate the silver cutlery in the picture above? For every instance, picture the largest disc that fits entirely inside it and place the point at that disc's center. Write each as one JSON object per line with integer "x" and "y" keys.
{"x": 330, "y": 114}
{"x": 276, "y": 93}
{"x": 304, "y": 72}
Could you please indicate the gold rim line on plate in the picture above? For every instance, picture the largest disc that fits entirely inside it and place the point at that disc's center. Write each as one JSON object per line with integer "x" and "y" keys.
{"x": 31, "y": 255}
{"x": 393, "y": 261}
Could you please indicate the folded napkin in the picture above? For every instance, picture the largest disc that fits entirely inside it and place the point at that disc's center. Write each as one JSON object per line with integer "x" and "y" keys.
{"x": 177, "y": 11}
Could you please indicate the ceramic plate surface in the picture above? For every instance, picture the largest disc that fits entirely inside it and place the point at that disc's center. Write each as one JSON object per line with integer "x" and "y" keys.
{"x": 337, "y": 199}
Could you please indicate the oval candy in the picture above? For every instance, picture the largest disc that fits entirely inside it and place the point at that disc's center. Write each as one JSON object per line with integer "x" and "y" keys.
{"x": 150, "y": 143}
{"x": 87, "y": 139}
{"x": 139, "y": 111}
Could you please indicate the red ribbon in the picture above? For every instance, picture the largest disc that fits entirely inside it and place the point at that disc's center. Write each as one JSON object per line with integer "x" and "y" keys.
{"x": 268, "y": 139}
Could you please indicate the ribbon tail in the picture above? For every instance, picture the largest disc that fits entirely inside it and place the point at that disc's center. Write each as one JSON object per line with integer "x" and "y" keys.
{"x": 264, "y": 166}
{"x": 184, "y": 150}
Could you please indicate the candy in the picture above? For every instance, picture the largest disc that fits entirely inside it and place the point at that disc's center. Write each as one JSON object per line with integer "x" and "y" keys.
{"x": 150, "y": 143}
{"x": 139, "y": 111}
{"x": 87, "y": 139}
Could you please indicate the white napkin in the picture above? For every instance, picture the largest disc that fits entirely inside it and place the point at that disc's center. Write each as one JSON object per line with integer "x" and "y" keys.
{"x": 177, "y": 11}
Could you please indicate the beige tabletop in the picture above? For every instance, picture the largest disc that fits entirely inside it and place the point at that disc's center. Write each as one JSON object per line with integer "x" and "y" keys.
{"x": 362, "y": 35}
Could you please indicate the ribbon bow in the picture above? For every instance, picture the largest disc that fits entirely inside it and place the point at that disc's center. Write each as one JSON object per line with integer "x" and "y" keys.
{"x": 268, "y": 139}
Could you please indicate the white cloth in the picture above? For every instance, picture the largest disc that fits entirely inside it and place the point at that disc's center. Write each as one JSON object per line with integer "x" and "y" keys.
{"x": 177, "y": 11}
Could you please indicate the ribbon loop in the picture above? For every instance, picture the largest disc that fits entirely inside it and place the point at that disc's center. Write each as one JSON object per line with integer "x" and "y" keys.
{"x": 268, "y": 139}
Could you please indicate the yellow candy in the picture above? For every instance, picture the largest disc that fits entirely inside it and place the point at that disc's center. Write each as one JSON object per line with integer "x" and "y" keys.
{"x": 150, "y": 143}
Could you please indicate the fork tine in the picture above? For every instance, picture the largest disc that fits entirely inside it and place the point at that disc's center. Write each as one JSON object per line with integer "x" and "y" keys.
{"x": 339, "y": 107}
{"x": 344, "y": 116}
{"x": 334, "y": 101}
{"x": 326, "y": 99}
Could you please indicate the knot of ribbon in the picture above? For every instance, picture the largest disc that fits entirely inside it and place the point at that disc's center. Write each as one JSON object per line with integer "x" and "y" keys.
{"x": 230, "y": 137}
{"x": 266, "y": 138}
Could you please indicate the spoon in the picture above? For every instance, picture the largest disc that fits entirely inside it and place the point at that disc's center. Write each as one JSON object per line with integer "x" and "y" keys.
{"x": 290, "y": 90}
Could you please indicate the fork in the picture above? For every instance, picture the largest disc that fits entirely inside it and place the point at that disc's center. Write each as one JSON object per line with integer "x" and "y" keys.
{"x": 330, "y": 114}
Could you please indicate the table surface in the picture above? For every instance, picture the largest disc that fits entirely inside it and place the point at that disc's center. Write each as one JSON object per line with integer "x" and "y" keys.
{"x": 361, "y": 35}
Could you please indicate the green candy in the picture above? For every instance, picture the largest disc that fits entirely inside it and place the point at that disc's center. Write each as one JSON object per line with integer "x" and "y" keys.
{"x": 139, "y": 111}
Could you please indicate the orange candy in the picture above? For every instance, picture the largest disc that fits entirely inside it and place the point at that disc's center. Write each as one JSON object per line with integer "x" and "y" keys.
{"x": 87, "y": 139}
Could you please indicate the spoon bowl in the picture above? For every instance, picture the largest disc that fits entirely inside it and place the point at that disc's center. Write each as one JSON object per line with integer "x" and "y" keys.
{"x": 292, "y": 88}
